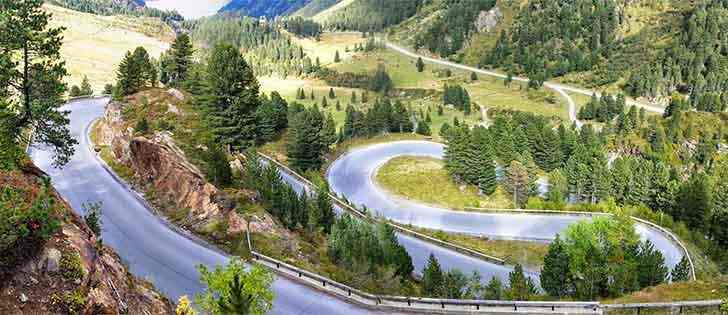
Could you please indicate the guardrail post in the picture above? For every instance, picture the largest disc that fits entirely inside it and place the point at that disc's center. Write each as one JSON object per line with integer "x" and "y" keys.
{"x": 477, "y": 306}
{"x": 278, "y": 265}
{"x": 638, "y": 310}
{"x": 349, "y": 291}
{"x": 409, "y": 302}
{"x": 324, "y": 282}
{"x": 379, "y": 300}
{"x": 443, "y": 304}
{"x": 681, "y": 309}
{"x": 553, "y": 308}
{"x": 515, "y": 307}
{"x": 299, "y": 274}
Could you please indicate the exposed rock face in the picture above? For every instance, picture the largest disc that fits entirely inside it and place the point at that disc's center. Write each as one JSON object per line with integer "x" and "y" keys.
{"x": 159, "y": 165}
{"x": 488, "y": 20}
{"x": 39, "y": 287}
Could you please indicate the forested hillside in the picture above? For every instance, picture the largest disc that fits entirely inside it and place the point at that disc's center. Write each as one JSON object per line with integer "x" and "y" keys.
{"x": 112, "y": 7}
{"x": 314, "y": 7}
{"x": 268, "y": 8}
{"x": 648, "y": 49}
{"x": 371, "y": 15}
{"x": 266, "y": 49}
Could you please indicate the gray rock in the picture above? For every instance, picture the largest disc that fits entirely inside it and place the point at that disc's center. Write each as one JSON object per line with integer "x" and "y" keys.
{"x": 488, "y": 20}
{"x": 23, "y": 298}
{"x": 52, "y": 259}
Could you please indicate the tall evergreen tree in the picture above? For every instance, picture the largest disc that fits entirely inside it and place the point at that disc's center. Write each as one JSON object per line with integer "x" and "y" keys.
{"x": 86, "y": 87}
{"x": 681, "y": 272}
{"x": 432, "y": 278}
{"x": 181, "y": 54}
{"x": 31, "y": 82}
{"x": 556, "y": 274}
{"x": 420, "y": 64}
{"x": 306, "y": 145}
{"x": 231, "y": 98}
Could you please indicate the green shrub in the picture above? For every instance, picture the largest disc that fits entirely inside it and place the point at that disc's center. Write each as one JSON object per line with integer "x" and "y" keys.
{"x": 25, "y": 225}
{"x": 70, "y": 266}
{"x": 70, "y": 302}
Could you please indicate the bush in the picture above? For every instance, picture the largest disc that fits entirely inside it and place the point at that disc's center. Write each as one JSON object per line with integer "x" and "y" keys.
{"x": 70, "y": 266}
{"x": 70, "y": 303}
{"x": 25, "y": 225}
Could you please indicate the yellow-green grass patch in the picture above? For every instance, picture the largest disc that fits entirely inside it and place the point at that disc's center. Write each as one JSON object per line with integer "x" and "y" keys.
{"x": 328, "y": 44}
{"x": 94, "y": 45}
{"x": 425, "y": 180}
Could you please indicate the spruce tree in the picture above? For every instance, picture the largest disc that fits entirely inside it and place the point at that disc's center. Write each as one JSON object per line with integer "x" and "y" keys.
{"x": 332, "y": 95}
{"x": 306, "y": 145}
{"x": 420, "y": 64}
{"x": 231, "y": 98}
{"x": 681, "y": 272}
{"x": 86, "y": 87}
{"x": 555, "y": 273}
{"x": 432, "y": 278}
{"x": 353, "y": 97}
{"x": 181, "y": 55}
{"x": 494, "y": 289}
{"x": 337, "y": 58}
{"x": 520, "y": 288}
{"x": 473, "y": 76}
{"x": 32, "y": 72}
{"x": 651, "y": 267}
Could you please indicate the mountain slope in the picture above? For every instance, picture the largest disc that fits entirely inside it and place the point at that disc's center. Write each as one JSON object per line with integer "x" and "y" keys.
{"x": 270, "y": 8}
{"x": 315, "y": 7}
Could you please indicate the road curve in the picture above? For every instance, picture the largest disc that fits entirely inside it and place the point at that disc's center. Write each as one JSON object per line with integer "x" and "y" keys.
{"x": 352, "y": 176}
{"x": 559, "y": 88}
{"x": 154, "y": 250}
{"x": 146, "y": 243}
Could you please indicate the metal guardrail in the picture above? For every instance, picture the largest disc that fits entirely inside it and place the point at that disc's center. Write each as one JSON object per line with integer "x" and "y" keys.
{"x": 661, "y": 229}
{"x": 401, "y": 229}
{"x": 419, "y": 304}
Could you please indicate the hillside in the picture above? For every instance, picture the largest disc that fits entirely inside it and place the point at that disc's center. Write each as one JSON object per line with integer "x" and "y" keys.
{"x": 94, "y": 44}
{"x": 315, "y": 7}
{"x": 69, "y": 271}
{"x": 639, "y": 47}
{"x": 270, "y": 8}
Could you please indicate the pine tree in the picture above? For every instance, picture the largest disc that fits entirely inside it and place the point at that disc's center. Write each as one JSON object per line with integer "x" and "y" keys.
{"x": 332, "y": 95}
{"x": 353, "y": 97}
{"x": 108, "y": 89}
{"x": 555, "y": 274}
{"x": 432, "y": 278}
{"x": 517, "y": 181}
{"x": 75, "y": 91}
{"x": 306, "y": 146}
{"x": 681, "y": 271}
{"x": 494, "y": 289}
{"x": 181, "y": 54}
{"x": 487, "y": 177}
{"x": 324, "y": 102}
{"x": 420, "y": 64}
{"x": 217, "y": 166}
{"x": 86, "y": 87}
{"x": 337, "y": 58}
{"x": 521, "y": 288}
{"x": 338, "y": 105}
{"x": 473, "y": 76}
{"x": 231, "y": 98}
{"x": 651, "y": 267}
{"x": 423, "y": 128}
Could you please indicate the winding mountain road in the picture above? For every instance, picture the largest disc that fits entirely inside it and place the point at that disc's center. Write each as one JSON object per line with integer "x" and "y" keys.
{"x": 166, "y": 256}
{"x": 150, "y": 247}
{"x": 559, "y": 88}
{"x": 352, "y": 176}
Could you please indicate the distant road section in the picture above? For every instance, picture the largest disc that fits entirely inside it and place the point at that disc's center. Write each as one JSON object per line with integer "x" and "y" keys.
{"x": 559, "y": 88}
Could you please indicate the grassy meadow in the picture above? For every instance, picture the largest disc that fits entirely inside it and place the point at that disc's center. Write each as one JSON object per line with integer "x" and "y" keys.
{"x": 94, "y": 45}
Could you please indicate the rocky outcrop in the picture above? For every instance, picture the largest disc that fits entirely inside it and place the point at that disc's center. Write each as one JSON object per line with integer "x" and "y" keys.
{"x": 487, "y": 21}
{"x": 173, "y": 184}
{"x": 41, "y": 286}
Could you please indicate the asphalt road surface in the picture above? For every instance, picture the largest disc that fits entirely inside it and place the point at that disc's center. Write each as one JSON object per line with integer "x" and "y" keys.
{"x": 352, "y": 175}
